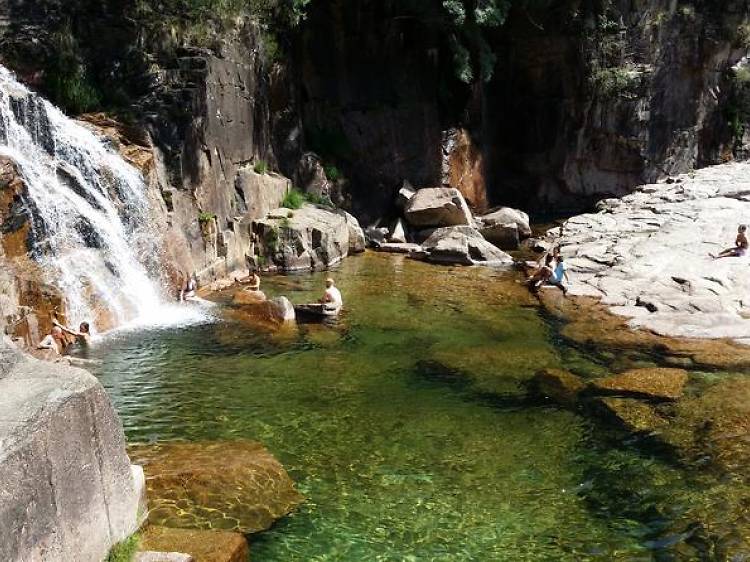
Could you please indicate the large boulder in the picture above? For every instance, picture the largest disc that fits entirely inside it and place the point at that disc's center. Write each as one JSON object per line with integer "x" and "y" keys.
{"x": 438, "y": 206}
{"x": 463, "y": 245}
{"x": 658, "y": 383}
{"x": 228, "y": 485}
{"x": 312, "y": 237}
{"x": 68, "y": 490}
{"x": 502, "y": 219}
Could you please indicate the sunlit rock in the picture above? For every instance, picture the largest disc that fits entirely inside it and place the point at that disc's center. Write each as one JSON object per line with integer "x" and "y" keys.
{"x": 463, "y": 245}
{"x": 438, "y": 206}
{"x": 631, "y": 414}
{"x": 201, "y": 546}
{"x": 227, "y": 485}
{"x": 657, "y": 383}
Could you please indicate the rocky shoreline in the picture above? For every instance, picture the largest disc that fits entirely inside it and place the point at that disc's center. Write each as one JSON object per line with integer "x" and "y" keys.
{"x": 646, "y": 256}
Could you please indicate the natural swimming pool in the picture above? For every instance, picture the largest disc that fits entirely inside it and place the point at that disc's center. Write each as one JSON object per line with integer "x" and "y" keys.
{"x": 407, "y": 424}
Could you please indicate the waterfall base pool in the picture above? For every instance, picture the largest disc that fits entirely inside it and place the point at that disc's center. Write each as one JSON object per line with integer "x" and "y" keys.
{"x": 407, "y": 424}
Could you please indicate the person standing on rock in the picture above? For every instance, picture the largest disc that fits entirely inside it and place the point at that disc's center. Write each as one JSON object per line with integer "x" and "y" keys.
{"x": 332, "y": 296}
{"x": 187, "y": 293}
{"x": 740, "y": 245}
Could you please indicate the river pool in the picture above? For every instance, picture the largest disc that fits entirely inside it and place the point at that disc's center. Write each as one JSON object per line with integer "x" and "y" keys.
{"x": 406, "y": 425}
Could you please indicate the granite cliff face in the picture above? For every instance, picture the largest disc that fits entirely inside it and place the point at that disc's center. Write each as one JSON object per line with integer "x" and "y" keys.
{"x": 587, "y": 100}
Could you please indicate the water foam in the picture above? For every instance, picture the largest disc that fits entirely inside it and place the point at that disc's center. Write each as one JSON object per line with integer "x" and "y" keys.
{"x": 91, "y": 233}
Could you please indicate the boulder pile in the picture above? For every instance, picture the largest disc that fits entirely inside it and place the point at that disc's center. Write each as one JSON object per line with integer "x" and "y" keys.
{"x": 437, "y": 225}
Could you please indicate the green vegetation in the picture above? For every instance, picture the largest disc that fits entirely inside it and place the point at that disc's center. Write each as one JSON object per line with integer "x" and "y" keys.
{"x": 610, "y": 82}
{"x": 737, "y": 111}
{"x": 332, "y": 173}
{"x": 124, "y": 551}
{"x": 66, "y": 77}
{"x": 294, "y": 199}
{"x": 743, "y": 35}
{"x": 272, "y": 239}
{"x": 205, "y": 217}
{"x": 316, "y": 199}
{"x": 260, "y": 167}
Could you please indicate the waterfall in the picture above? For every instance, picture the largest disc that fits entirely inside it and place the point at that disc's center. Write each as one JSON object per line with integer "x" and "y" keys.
{"x": 91, "y": 230}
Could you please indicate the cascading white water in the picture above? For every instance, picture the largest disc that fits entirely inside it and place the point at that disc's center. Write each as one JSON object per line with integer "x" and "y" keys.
{"x": 91, "y": 228}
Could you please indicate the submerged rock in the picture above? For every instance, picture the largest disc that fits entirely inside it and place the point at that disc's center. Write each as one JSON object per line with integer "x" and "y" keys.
{"x": 559, "y": 386}
{"x": 631, "y": 414}
{"x": 438, "y": 206}
{"x": 228, "y": 485}
{"x": 200, "y": 546}
{"x": 312, "y": 237}
{"x": 463, "y": 245}
{"x": 657, "y": 383}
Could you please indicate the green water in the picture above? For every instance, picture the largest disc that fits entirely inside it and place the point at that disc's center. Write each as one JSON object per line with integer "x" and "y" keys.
{"x": 406, "y": 425}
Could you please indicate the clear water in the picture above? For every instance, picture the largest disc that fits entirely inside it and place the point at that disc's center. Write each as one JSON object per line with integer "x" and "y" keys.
{"x": 406, "y": 425}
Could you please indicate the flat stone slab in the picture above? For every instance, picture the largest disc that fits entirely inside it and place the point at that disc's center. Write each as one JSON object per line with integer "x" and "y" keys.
{"x": 657, "y": 383}
{"x": 650, "y": 251}
{"x": 227, "y": 485}
{"x": 199, "y": 546}
{"x": 399, "y": 248}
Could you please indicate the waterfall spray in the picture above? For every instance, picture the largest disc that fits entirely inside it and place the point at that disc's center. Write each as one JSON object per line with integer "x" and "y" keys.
{"x": 91, "y": 228}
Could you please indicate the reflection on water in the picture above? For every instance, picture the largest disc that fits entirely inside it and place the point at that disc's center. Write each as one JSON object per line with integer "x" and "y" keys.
{"x": 406, "y": 425}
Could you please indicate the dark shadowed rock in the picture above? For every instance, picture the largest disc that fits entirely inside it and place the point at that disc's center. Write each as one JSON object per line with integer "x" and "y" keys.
{"x": 650, "y": 383}
{"x": 438, "y": 206}
{"x": 463, "y": 245}
{"x": 228, "y": 485}
{"x": 559, "y": 386}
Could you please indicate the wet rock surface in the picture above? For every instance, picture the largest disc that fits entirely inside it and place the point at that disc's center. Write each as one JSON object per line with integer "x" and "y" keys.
{"x": 646, "y": 255}
{"x": 631, "y": 414}
{"x": 225, "y": 485}
{"x": 664, "y": 384}
{"x": 199, "y": 546}
{"x": 560, "y": 386}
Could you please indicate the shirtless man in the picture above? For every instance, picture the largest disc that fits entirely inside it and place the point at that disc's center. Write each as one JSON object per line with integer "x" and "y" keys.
{"x": 82, "y": 336}
{"x": 740, "y": 245}
{"x": 187, "y": 293}
{"x": 332, "y": 296}
{"x": 252, "y": 281}
{"x": 55, "y": 341}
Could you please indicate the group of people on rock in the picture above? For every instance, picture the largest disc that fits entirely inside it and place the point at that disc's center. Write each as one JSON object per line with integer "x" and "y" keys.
{"x": 57, "y": 341}
{"x": 552, "y": 271}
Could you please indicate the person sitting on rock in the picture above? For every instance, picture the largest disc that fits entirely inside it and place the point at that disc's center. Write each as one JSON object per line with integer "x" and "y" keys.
{"x": 740, "y": 245}
{"x": 55, "y": 341}
{"x": 82, "y": 336}
{"x": 252, "y": 281}
{"x": 560, "y": 274}
{"x": 541, "y": 275}
{"x": 332, "y": 296}
{"x": 187, "y": 293}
